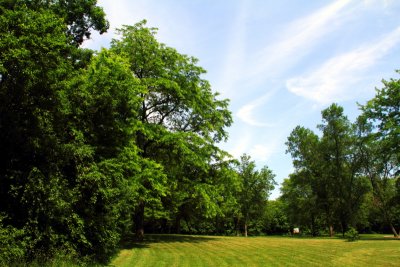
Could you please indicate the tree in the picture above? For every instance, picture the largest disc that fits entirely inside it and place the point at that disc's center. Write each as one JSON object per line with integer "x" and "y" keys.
{"x": 380, "y": 146}
{"x": 81, "y": 16}
{"x": 342, "y": 165}
{"x": 181, "y": 119}
{"x": 256, "y": 187}
{"x": 100, "y": 108}
{"x": 301, "y": 203}
{"x": 306, "y": 193}
{"x": 330, "y": 167}
{"x": 32, "y": 70}
{"x": 275, "y": 219}
{"x": 66, "y": 139}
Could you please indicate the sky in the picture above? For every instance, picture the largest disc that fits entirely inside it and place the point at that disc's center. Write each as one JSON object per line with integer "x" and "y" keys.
{"x": 279, "y": 62}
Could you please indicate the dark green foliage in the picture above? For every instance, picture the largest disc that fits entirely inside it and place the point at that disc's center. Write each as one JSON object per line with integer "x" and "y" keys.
{"x": 81, "y": 16}
{"x": 13, "y": 243}
{"x": 62, "y": 180}
{"x": 32, "y": 69}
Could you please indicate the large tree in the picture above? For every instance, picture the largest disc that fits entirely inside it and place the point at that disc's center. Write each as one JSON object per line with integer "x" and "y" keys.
{"x": 342, "y": 165}
{"x": 380, "y": 146}
{"x": 181, "y": 118}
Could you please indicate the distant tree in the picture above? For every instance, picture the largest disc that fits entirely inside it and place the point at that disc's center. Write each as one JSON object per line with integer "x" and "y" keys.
{"x": 327, "y": 170}
{"x": 306, "y": 189}
{"x": 342, "y": 165}
{"x": 256, "y": 187}
{"x": 300, "y": 203}
{"x": 275, "y": 219}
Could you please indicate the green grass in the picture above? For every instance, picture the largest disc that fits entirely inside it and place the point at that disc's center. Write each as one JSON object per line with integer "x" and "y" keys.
{"x": 181, "y": 250}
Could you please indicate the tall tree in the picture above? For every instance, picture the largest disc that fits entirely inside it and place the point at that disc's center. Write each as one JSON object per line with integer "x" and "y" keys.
{"x": 100, "y": 107}
{"x": 256, "y": 187}
{"x": 181, "y": 119}
{"x": 32, "y": 69}
{"x": 307, "y": 184}
{"x": 380, "y": 144}
{"x": 341, "y": 164}
{"x": 331, "y": 166}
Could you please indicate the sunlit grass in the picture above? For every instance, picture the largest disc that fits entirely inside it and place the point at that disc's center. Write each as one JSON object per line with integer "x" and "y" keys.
{"x": 179, "y": 250}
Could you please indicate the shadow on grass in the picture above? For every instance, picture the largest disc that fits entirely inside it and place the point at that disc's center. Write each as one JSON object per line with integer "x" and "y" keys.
{"x": 165, "y": 238}
{"x": 388, "y": 238}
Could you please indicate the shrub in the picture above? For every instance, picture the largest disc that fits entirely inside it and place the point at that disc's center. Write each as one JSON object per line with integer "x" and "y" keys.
{"x": 12, "y": 244}
{"x": 351, "y": 234}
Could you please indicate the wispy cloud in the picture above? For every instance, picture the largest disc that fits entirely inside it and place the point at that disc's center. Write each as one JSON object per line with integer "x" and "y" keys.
{"x": 336, "y": 78}
{"x": 295, "y": 43}
{"x": 246, "y": 112}
{"x": 298, "y": 39}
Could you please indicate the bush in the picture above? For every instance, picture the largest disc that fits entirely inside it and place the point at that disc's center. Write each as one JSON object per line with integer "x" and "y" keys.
{"x": 12, "y": 244}
{"x": 352, "y": 234}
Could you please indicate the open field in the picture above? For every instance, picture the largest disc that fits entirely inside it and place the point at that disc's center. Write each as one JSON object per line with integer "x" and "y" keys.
{"x": 181, "y": 250}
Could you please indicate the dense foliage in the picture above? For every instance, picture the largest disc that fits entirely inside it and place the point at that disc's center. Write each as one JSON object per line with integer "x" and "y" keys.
{"x": 97, "y": 147}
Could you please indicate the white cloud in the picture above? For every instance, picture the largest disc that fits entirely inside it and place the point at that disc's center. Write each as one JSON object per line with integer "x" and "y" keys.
{"x": 336, "y": 78}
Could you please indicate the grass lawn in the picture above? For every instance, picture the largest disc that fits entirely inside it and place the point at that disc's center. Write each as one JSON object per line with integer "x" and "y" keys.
{"x": 181, "y": 250}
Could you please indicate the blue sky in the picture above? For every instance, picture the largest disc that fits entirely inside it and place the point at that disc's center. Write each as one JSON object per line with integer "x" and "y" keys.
{"x": 279, "y": 62}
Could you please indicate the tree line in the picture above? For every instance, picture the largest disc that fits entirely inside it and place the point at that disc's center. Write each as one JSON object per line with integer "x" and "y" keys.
{"x": 348, "y": 174}
{"x": 98, "y": 148}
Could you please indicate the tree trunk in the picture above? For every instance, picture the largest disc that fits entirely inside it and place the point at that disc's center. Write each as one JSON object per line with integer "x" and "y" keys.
{"x": 313, "y": 226}
{"x": 331, "y": 233}
{"x": 139, "y": 222}
{"x": 245, "y": 228}
{"x": 344, "y": 227}
{"x": 395, "y": 233}
{"x": 178, "y": 224}
{"x": 237, "y": 225}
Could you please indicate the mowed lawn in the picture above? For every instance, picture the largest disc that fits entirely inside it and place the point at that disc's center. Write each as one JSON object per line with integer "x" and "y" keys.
{"x": 181, "y": 250}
